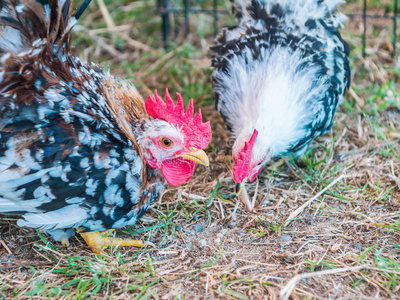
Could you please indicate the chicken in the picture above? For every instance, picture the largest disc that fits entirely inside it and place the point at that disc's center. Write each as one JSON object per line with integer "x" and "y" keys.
{"x": 278, "y": 78}
{"x": 80, "y": 149}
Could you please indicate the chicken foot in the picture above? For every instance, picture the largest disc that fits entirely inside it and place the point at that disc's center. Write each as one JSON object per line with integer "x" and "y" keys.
{"x": 99, "y": 240}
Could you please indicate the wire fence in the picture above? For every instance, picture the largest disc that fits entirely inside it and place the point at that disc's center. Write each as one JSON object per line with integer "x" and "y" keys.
{"x": 186, "y": 10}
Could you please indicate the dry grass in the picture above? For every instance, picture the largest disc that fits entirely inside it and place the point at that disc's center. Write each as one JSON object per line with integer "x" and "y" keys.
{"x": 345, "y": 244}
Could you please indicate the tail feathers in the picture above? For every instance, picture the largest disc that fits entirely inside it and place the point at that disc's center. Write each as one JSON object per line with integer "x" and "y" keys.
{"x": 22, "y": 22}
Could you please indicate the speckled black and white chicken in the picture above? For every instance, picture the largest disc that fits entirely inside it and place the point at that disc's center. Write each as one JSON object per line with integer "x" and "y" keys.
{"x": 278, "y": 78}
{"x": 78, "y": 147}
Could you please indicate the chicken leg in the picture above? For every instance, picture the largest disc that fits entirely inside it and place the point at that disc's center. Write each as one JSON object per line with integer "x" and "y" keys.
{"x": 99, "y": 240}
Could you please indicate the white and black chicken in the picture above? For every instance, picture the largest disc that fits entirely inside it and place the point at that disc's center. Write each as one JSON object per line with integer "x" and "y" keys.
{"x": 80, "y": 148}
{"x": 278, "y": 78}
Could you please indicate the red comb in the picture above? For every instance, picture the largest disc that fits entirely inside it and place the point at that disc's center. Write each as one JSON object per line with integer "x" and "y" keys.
{"x": 242, "y": 166}
{"x": 198, "y": 134}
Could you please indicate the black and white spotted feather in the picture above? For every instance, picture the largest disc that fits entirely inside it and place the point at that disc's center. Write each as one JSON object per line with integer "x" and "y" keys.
{"x": 282, "y": 71}
{"x": 68, "y": 157}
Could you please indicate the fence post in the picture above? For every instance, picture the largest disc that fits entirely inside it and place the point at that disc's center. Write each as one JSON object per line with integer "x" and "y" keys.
{"x": 186, "y": 14}
{"x": 364, "y": 27}
{"x": 215, "y": 6}
{"x": 395, "y": 28}
{"x": 165, "y": 21}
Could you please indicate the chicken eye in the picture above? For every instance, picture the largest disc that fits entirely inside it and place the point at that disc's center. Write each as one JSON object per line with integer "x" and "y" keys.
{"x": 166, "y": 142}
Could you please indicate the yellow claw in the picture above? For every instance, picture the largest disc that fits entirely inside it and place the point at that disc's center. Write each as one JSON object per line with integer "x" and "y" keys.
{"x": 277, "y": 164}
{"x": 99, "y": 240}
{"x": 65, "y": 243}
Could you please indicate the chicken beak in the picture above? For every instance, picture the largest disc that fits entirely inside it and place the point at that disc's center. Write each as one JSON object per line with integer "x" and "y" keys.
{"x": 239, "y": 187}
{"x": 198, "y": 156}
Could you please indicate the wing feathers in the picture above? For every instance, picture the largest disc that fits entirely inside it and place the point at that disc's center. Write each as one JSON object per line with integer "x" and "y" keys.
{"x": 66, "y": 217}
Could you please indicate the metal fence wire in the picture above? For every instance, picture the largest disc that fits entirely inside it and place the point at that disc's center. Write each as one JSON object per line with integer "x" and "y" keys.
{"x": 184, "y": 8}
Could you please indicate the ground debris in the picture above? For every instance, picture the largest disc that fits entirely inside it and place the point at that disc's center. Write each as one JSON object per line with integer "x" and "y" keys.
{"x": 344, "y": 244}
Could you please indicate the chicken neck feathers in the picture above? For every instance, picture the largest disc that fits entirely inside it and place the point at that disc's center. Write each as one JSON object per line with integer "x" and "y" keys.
{"x": 283, "y": 71}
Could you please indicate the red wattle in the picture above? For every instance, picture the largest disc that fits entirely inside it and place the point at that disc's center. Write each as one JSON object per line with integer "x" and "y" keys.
{"x": 177, "y": 171}
{"x": 152, "y": 162}
{"x": 242, "y": 167}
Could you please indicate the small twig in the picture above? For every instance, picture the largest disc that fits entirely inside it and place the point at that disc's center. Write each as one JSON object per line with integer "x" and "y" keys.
{"x": 327, "y": 249}
{"x": 233, "y": 214}
{"x": 319, "y": 206}
{"x": 111, "y": 27}
{"x": 359, "y": 100}
{"x": 165, "y": 57}
{"x": 193, "y": 196}
{"x": 105, "y": 46}
{"x": 253, "y": 201}
{"x": 108, "y": 30}
{"x": 365, "y": 150}
{"x": 301, "y": 208}
{"x": 136, "y": 44}
{"x": 106, "y": 14}
{"x": 6, "y": 247}
{"x": 221, "y": 209}
{"x": 288, "y": 289}
{"x": 244, "y": 197}
{"x": 295, "y": 174}
{"x": 302, "y": 246}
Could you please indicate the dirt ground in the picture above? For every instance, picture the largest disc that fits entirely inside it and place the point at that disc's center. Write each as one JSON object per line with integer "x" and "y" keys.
{"x": 342, "y": 200}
